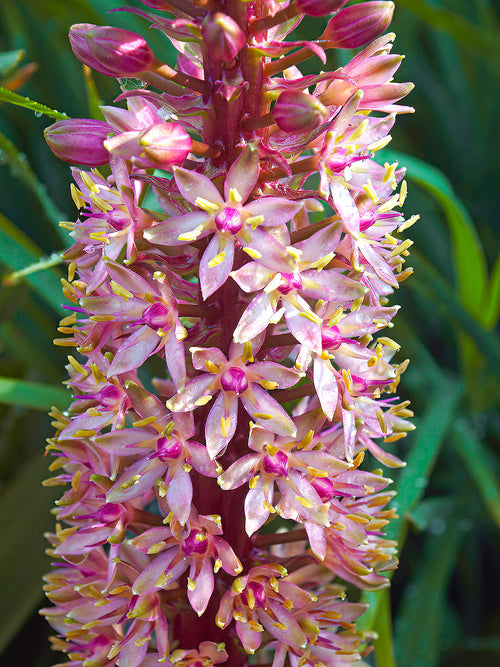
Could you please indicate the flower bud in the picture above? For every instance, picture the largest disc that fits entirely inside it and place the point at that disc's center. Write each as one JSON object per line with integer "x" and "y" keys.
{"x": 79, "y": 140}
{"x": 157, "y": 146}
{"x": 223, "y": 37}
{"x": 358, "y": 24}
{"x": 298, "y": 112}
{"x": 110, "y": 51}
{"x": 319, "y": 7}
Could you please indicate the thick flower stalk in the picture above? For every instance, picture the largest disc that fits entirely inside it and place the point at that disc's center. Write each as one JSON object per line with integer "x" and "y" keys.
{"x": 230, "y": 281}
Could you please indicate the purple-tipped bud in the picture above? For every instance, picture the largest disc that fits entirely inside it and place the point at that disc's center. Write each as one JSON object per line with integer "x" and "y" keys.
{"x": 110, "y": 51}
{"x": 234, "y": 379}
{"x": 158, "y": 146}
{"x": 79, "y": 141}
{"x": 298, "y": 112}
{"x": 358, "y": 24}
{"x": 223, "y": 37}
{"x": 319, "y": 7}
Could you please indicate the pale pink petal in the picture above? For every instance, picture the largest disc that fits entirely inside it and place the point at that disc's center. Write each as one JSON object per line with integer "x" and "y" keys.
{"x": 366, "y": 320}
{"x": 273, "y": 254}
{"x": 179, "y": 495}
{"x": 250, "y": 639}
{"x": 204, "y": 586}
{"x": 255, "y": 319}
{"x": 302, "y": 328}
{"x": 320, "y": 244}
{"x": 349, "y": 425}
{"x": 276, "y": 211}
{"x": 199, "y": 459}
{"x": 326, "y": 387}
{"x": 213, "y": 277}
{"x": 137, "y": 479}
{"x": 316, "y": 535}
{"x": 378, "y": 263}
{"x": 331, "y": 286}
{"x": 193, "y": 185}
{"x": 345, "y": 207}
{"x": 252, "y": 277}
{"x": 148, "y": 578}
{"x": 185, "y": 399}
{"x": 134, "y": 351}
{"x": 257, "y": 402}
{"x": 238, "y": 473}
{"x": 230, "y": 562}
{"x": 243, "y": 174}
{"x": 174, "y": 356}
{"x": 167, "y": 233}
{"x": 269, "y": 370}
{"x": 255, "y": 512}
{"x": 201, "y": 355}
{"x": 216, "y": 442}
{"x": 292, "y": 635}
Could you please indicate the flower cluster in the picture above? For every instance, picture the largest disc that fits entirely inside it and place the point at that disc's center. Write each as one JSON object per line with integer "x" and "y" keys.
{"x": 229, "y": 281}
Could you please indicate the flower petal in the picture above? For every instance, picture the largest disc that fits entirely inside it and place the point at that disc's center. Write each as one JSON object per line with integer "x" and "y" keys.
{"x": 168, "y": 232}
{"x": 266, "y": 411}
{"x": 243, "y": 174}
{"x": 193, "y": 185}
{"x": 214, "y": 276}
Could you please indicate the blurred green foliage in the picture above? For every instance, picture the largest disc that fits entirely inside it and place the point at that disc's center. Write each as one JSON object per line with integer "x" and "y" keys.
{"x": 441, "y": 600}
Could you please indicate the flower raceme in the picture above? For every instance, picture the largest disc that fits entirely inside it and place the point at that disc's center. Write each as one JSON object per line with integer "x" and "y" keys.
{"x": 228, "y": 287}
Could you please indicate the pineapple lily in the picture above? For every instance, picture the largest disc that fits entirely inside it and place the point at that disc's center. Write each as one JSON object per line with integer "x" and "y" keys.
{"x": 230, "y": 277}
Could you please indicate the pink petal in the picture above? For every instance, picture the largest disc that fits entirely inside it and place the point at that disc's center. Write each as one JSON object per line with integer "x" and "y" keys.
{"x": 193, "y": 185}
{"x": 200, "y": 596}
{"x": 203, "y": 354}
{"x": 257, "y": 401}
{"x": 134, "y": 351}
{"x": 345, "y": 207}
{"x": 185, "y": 399}
{"x": 255, "y": 319}
{"x": 276, "y": 211}
{"x": 255, "y": 512}
{"x": 230, "y": 562}
{"x": 216, "y": 442}
{"x": 326, "y": 387}
{"x": 174, "y": 356}
{"x": 199, "y": 459}
{"x": 304, "y": 330}
{"x": 211, "y": 278}
{"x": 127, "y": 487}
{"x": 146, "y": 581}
{"x": 179, "y": 495}
{"x": 273, "y": 254}
{"x": 167, "y": 233}
{"x": 252, "y": 277}
{"x": 243, "y": 174}
{"x": 238, "y": 473}
{"x": 269, "y": 370}
{"x": 321, "y": 243}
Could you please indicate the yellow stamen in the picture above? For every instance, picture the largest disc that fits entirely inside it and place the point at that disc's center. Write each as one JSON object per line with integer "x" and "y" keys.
{"x": 218, "y": 259}
{"x": 255, "y": 220}
{"x": 77, "y": 196}
{"x": 206, "y": 205}
{"x": 254, "y": 254}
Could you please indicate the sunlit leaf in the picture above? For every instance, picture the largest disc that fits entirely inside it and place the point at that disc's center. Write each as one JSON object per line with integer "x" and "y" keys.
{"x": 38, "y": 108}
{"x": 32, "y": 394}
{"x": 9, "y": 61}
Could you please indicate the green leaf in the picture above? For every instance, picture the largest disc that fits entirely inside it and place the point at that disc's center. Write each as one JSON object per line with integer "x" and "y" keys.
{"x": 9, "y": 60}
{"x": 7, "y": 95}
{"x": 32, "y": 394}
{"x": 384, "y": 648}
{"x": 492, "y": 300}
{"x": 467, "y": 34}
{"x": 430, "y": 434}
{"x": 20, "y": 167}
{"x": 430, "y": 283}
{"x": 41, "y": 265}
{"x": 475, "y": 456}
{"x": 17, "y": 251}
{"x": 469, "y": 260}
{"x": 421, "y": 617}
{"x": 24, "y": 515}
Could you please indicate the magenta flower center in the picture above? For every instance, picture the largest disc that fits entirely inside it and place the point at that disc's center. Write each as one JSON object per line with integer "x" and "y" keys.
{"x": 109, "y": 512}
{"x": 289, "y": 282}
{"x": 331, "y": 338}
{"x": 195, "y": 543}
{"x": 109, "y": 396}
{"x": 168, "y": 450}
{"x": 324, "y": 487}
{"x": 234, "y": 379}
{"x": 156, "y": 316}
{"x": 228, "y": 220}
{"x": 254, "y": 595}
{"x": 276, "y": 465}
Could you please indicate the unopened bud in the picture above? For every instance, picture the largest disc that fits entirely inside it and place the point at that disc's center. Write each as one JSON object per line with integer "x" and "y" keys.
{"x": 358, "y": 24}
{"x": 158, "y": 146}
{"x": 223, "y": 37}
{"x": 298, "y": 112}
{"x": 319, "y": 7}
{"x": 79, "y": 141}
{"x": 111, "y": 51}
